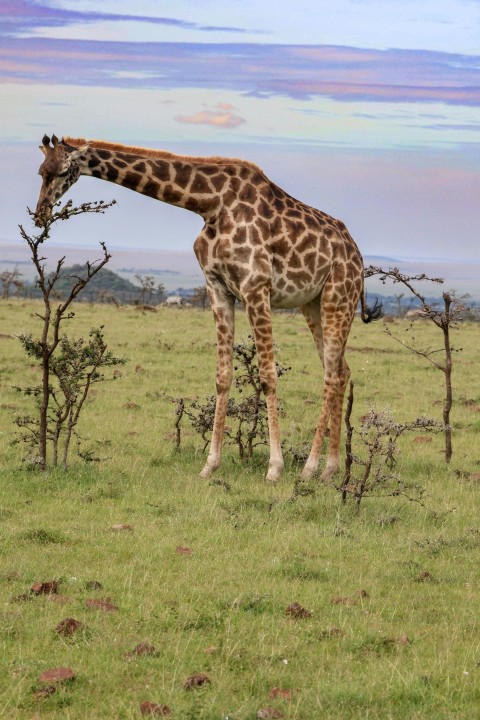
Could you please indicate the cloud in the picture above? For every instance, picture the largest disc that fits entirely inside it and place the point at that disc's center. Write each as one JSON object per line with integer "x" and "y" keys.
{"x": 218, "y": 118}
{"x": 352, "y": 92}
{"x": 34, "y": 16}
{"x": 258, "y": 70}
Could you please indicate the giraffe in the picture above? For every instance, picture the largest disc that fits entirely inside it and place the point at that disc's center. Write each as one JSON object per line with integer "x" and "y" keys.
{"x": 258, "y": 245}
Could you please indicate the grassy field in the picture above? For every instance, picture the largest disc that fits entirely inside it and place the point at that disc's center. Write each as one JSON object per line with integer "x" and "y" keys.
{"x": 204, "y": 571}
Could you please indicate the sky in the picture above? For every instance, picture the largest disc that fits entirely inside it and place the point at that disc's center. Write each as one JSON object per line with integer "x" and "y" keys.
{"x": 365, "y": 109}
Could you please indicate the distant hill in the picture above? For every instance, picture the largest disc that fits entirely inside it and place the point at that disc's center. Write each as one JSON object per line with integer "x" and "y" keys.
{"x": 105, "y": 281}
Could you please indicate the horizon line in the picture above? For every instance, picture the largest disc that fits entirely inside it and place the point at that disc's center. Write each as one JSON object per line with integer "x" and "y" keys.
{"x": 400, "y": 258}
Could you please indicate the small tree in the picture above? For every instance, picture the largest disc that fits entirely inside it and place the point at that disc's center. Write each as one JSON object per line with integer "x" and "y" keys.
{"x": 83, "y": 359}
{"x": 444, "y": 318}
{"x": 200, "y": 296}
{"x": 147, "y": 288}
{"x": 76, "y": 366}
{"x": 398, "y": 302}
{"x": 9, "y": 278}
{"x": 160, "y": 292}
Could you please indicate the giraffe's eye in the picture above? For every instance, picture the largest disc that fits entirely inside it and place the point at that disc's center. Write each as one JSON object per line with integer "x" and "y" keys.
{"x": 62, "y": 174}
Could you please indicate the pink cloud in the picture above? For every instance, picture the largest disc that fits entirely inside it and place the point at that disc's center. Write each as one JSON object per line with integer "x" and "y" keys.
{"x": 218, "y": 118}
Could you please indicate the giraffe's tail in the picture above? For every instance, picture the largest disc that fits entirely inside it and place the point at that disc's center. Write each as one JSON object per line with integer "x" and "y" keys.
{"x": 373, "y": 313}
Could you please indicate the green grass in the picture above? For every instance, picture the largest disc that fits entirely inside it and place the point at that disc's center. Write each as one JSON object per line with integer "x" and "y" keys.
{"x": 253, "y": 553}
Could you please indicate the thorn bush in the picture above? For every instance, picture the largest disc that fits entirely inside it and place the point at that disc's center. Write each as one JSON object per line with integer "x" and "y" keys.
{"x": 247, "y": 422}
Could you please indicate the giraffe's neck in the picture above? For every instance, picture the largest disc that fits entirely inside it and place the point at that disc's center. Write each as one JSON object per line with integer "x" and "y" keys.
{"x": 177, "y": 180}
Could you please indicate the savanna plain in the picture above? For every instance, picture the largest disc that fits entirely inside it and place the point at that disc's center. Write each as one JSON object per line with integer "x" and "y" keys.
{"x": 202, "y": 571}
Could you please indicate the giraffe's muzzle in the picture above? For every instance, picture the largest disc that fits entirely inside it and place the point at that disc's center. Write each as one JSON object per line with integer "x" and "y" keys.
{"x": 43, "y": 213}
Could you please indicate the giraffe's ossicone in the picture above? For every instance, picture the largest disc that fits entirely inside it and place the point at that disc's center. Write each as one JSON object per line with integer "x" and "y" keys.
{"x": 258, "y": 245}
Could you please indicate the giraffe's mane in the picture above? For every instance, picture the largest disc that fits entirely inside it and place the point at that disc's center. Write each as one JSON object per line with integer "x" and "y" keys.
{"x": 162, "y": 154}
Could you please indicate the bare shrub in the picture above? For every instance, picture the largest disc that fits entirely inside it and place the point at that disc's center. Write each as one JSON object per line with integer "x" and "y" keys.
{"x": 370, "y": 472}
{"x": 247, "y": 417}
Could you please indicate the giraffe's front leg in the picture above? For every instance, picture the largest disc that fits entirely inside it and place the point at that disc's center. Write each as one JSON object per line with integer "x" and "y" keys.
{"x": 259, "y": 314}
{"x": 223, "y": 312}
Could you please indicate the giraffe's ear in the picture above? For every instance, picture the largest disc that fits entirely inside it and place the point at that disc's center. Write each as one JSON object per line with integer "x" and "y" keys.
{"x": 78, "y": 151}
{"x": 40, "y": 147}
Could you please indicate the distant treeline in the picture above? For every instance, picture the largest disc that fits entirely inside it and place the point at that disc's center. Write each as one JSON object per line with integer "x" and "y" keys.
{"x": 105, "y": 286}
{"x": 108, "y": 286}
{"x": 401, "y": 306}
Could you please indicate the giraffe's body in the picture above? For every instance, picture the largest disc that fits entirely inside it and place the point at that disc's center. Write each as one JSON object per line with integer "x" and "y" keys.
{"x": 258, "y": 245}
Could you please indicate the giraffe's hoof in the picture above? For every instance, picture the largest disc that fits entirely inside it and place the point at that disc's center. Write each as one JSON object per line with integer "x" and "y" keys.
{"x": 206, "y": 472}
{"x": 330, "y": 471}
{"x": 273, "y": 474}
{"x": 307, "y": 472}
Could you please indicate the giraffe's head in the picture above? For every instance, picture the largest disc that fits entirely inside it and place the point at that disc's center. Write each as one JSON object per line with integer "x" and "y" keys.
{"x": 59, "y": 170}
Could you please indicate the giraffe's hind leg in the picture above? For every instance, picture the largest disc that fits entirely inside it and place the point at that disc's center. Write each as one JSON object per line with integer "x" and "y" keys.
{"x": 333, "y": 458}
{"x": 329, "y": 319}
